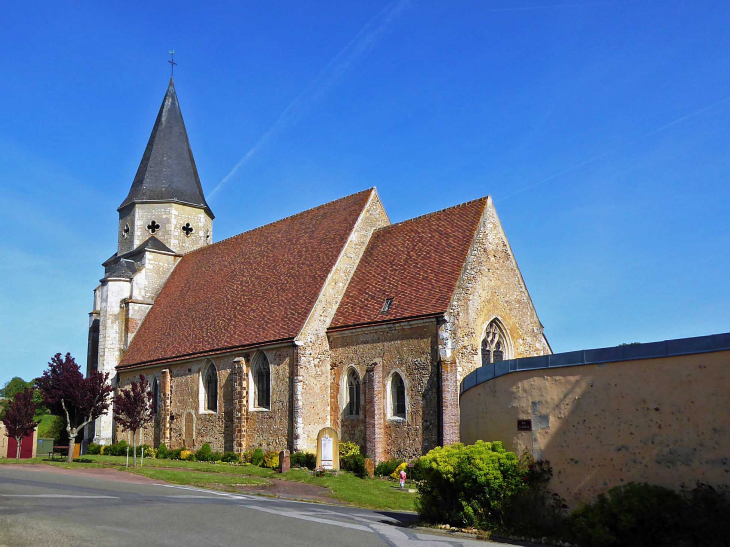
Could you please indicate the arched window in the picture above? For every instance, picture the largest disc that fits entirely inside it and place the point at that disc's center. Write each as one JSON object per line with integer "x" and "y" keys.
{"x": 495, "y": 344}
{"x": 210, "y": 384}
{"x": 397, "y": 396}
{"x": 262, "y": 381}
{"x": 353, "y": 393}
{"x": 155, "y": 396}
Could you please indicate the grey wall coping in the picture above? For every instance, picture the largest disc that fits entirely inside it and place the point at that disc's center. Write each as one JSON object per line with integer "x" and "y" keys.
{"x": 651, "y": 350}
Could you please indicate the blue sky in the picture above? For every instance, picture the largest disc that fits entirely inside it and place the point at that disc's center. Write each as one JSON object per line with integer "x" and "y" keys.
{"x": 600, "y": 129}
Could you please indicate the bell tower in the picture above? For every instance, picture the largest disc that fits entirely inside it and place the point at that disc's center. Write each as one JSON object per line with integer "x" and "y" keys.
{"x": 164, "y": 216}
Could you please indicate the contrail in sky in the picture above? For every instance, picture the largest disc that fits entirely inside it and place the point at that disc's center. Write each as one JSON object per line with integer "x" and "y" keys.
{"x": 553, "y": 6}
{"x": 363, "y": 42}
{"x": 617, "y": 148}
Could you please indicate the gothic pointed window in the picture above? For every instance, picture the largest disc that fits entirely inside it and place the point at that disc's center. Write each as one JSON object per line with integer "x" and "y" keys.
{"x": 397, "y": 397}
{"x": 353, "y": 393}
{"x": 210, "y": 385}
{"x": 262, "y": 381}
{"x": 495, "y": 344}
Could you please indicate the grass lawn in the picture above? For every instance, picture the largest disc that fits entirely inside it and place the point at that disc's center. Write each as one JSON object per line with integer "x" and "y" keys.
{"x": 345, "y": 487}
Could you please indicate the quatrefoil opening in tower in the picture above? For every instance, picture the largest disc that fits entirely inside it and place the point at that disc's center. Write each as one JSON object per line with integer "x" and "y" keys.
{"x": 153, "y": 227}
{"x": 187, "y": 229}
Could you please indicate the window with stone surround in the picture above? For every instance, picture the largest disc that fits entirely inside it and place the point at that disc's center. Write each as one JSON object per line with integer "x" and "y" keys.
{"x": 261, "y": 375}
{"x": 396, "y": 397}
{"x": 153, "y": 226}
{"x": 209, "y": 388}
{"x": 496, "y": 344}
{"x": 352, "y": 406}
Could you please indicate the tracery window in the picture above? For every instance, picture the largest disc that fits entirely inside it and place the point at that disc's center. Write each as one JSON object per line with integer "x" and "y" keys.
{"x": 495, "y": 344}
{"x": 262, "y": 381}
{"x": 353, "y": 393}
{"x": 397, "y": 396}
{"x": 210, "y": 384}
{"x": 187, "y": 229}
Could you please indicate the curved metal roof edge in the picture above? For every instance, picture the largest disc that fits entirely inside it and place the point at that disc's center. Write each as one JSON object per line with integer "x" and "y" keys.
{"x": 632, "y": 352}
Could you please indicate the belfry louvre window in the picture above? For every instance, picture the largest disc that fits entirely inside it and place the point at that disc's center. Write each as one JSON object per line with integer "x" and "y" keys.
{"x": 211, "y": 388}
{"x": 398, "y": 396}
{"x": 495, "y": 343}
{"x": 353, "y": 394}
{"x": 262, "y": 381}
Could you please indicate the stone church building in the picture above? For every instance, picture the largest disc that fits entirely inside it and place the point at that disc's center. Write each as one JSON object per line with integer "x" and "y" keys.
{"x": 331, "y": 317}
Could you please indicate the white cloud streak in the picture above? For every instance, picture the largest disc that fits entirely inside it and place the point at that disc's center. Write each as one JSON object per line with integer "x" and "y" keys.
{"x": 361, "y": 44}
{"x": 617, "y": 148}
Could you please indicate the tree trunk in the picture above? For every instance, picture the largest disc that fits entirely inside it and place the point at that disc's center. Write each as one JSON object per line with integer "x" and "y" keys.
{"x": 71, "y": 444}
{"x": 134, "y": 446}
{"x": 18, "y": 441}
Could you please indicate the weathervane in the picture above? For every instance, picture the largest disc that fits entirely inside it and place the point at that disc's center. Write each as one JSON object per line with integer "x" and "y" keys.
{"x": 172, "y": 62}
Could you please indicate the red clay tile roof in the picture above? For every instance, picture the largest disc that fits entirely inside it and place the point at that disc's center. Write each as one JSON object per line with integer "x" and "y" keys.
{"x": 256, "y": 287}
{"x": 417, "y": 263}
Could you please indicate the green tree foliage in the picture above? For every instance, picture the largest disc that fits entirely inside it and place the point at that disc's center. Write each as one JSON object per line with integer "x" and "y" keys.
{"x": 468, "y": 485}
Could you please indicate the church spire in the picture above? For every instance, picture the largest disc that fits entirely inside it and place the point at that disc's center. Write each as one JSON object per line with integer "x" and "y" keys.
{"x": 167, "y": 172}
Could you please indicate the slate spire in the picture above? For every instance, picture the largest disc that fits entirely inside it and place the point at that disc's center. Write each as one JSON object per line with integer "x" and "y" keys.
{"x": 167, "y": 172}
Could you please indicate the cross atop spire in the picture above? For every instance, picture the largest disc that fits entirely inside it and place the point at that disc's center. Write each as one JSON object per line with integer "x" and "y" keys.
{"x": 172, "y": 62}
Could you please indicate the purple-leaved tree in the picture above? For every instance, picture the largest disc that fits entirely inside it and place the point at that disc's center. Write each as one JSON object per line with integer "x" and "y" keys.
{"x": 133, "y": 409}
{"x": 18, "y": 418}
{"x": 67, "y": 393}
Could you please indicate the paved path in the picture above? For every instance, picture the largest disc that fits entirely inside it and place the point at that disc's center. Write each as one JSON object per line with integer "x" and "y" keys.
{"x": 47, "y": 507}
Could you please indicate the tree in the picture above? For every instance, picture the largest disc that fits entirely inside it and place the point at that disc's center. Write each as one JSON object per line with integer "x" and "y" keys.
{"x": 67, "y": 393}
{"x": 18, "y": 418}
{"x": 133, "y": 409}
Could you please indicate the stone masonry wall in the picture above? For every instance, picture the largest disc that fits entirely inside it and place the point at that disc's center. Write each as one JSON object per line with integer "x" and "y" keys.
{"x": 491, "y": 286}
{"x": 267, "y": 429}
{"x": 171, "y": 217}
{"x": 312, "y": 408}
{"x": 410, "y": 349}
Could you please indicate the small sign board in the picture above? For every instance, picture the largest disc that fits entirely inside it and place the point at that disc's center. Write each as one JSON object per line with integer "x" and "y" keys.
{"x": 524, "y": 425}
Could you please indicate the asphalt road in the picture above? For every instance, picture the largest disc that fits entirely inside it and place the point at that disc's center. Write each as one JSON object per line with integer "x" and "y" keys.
{"x": 49, "y": 507}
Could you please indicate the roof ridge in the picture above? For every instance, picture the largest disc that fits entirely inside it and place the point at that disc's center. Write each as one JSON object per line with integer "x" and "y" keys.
{"x": 280, "y": 220}
{"x": 426, "y": 215}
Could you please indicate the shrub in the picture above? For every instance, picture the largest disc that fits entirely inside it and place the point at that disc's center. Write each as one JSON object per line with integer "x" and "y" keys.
{"x": 149, "y": 452}
{"x": 303, "y": 459}
{"x": 257, "y": 458}
{"x": 271, "y": 460}
{"x": 396, "y": 472}
{"x": 383, "y": 469}
{"x": 468, "y": 485}
{"x": 162, "y": 451}
{"x": 204, "y": 454}
{"x": 534, "y": 510}
{"x": 348, "y": 448}
{"x": 175, "y": 454}
{"x": 247, "y": 456}
{"x": 216, "y": 457}
{"x": 230, "y": 457}
{"x": 187, "y": 455}
{"x": 93, "y": 449}
{"x": 118, "y": 449}
{"x": 418, "y": 471}
{"x": 638, "y": 514}
{"x": 354, "y": 463}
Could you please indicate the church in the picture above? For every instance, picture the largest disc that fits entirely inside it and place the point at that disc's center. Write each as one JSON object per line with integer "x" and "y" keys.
{"x": 331, "y": 317}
